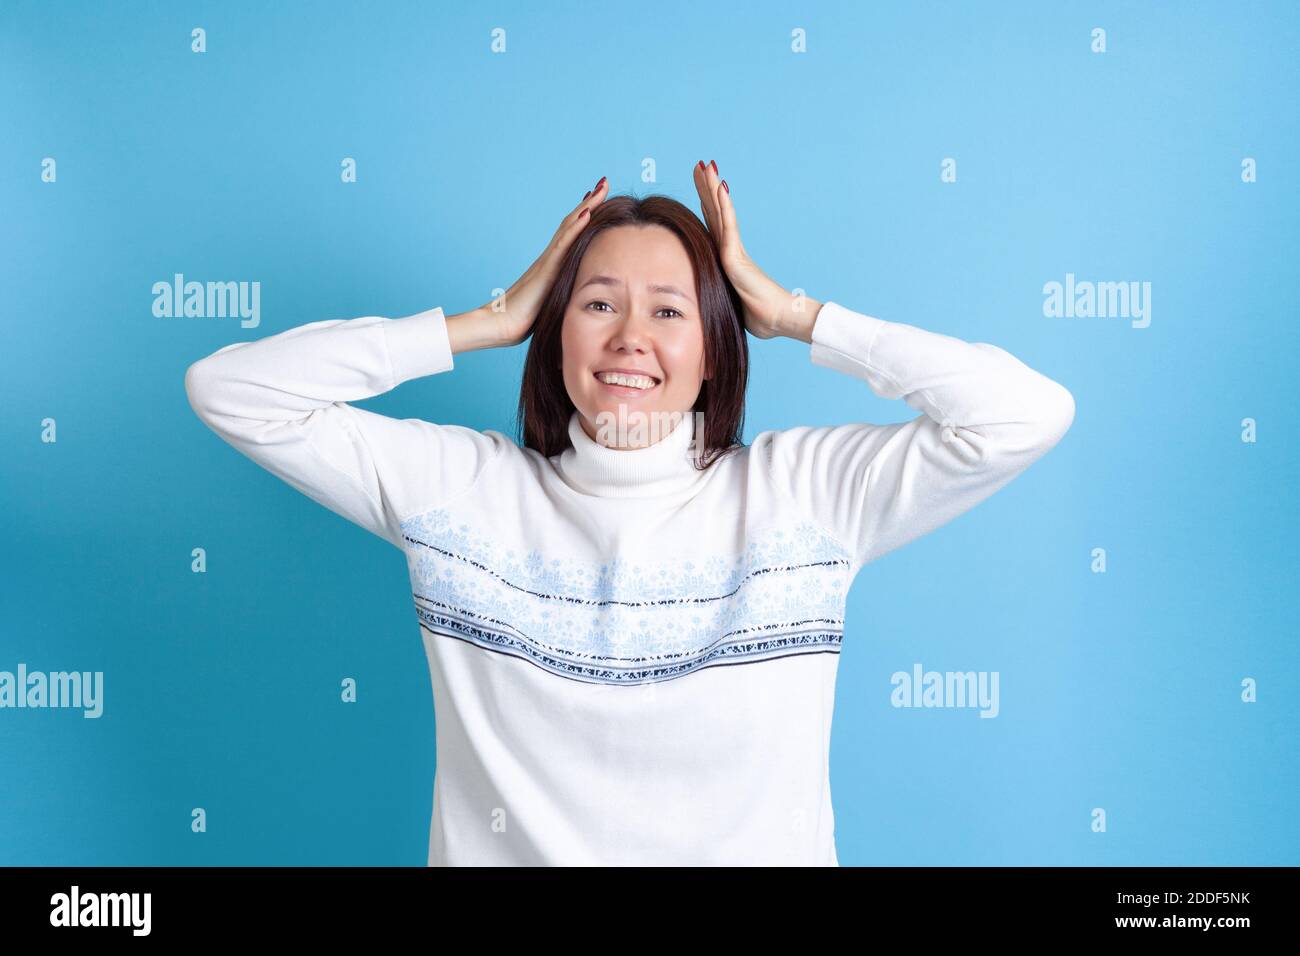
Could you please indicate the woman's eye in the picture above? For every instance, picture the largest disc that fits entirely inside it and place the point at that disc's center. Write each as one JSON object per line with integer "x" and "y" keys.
{"x": 675, "y": 313}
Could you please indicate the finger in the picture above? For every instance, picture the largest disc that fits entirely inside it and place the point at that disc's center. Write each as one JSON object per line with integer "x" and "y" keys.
{"x": 595, "y": 196}
{"x": 577, "y": 219}
{"x": 706, "y": 183}
{"x": 728, "y": 236}
{"x": 707, "y": 203}
{"x": 727, "y": 212}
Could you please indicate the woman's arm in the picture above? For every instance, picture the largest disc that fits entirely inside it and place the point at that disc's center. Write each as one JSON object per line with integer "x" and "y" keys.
{"x": 986, "y": 415}
{"x": 986, "y": 418}
{"x": 281, "y": 400}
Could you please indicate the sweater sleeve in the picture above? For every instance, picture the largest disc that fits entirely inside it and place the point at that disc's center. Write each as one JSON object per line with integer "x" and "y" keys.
{"x": 281, "y": 401}
{"x": 986, "y": 417}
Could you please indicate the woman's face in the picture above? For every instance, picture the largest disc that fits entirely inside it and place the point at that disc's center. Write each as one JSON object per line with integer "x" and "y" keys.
{"x": 633, "y": 307}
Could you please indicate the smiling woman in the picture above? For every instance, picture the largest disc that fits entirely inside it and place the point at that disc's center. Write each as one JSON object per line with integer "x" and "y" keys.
{"x": 633, "y": 643}
{"x": 640, "y": 292}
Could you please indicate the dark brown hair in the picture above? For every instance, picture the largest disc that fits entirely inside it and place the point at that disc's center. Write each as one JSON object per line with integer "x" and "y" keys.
{"x": 544, "y": 404}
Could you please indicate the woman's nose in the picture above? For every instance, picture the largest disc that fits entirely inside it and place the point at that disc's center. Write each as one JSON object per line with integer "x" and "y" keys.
{"x": 631, "y": 333}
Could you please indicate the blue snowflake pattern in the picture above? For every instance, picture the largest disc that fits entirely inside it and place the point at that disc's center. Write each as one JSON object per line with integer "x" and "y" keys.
{"x": 626, "y": 621}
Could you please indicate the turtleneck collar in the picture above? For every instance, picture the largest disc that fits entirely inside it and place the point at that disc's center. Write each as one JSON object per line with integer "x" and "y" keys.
{"x": 666, "y": 466}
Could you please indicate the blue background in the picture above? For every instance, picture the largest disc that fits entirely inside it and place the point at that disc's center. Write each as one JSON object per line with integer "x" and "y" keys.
{"x": 1118, "y": 690}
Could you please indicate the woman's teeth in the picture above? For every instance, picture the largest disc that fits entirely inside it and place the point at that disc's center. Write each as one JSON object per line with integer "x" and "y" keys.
{"x": 631, "y": 381}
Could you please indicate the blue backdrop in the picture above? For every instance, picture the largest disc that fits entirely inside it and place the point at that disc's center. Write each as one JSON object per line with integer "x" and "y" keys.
{"x": 1166, "y": 157}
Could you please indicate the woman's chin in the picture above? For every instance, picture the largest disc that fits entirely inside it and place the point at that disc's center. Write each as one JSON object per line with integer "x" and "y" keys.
{"x": 633, "y": 422}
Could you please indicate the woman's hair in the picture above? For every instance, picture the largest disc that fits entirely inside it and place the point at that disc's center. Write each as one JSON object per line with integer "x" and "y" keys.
{"x": 544, "y": 404}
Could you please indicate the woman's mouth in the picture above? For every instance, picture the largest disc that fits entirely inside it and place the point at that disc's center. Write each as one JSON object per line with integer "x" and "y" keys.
{"x": 627, "y": 384}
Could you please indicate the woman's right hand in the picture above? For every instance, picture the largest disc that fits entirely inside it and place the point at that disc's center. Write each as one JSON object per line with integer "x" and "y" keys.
{"x": 513, "y": 314}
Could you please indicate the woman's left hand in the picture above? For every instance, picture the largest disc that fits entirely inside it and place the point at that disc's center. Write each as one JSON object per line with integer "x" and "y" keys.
{"x": 766, "y": 304}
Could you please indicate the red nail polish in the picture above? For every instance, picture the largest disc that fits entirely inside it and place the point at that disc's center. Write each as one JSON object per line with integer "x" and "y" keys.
{"x": 586, "y": 194}
{"x": 701, "y": 165}
{"x": 714, "y": 165}
{"x": 726, "y": 187}
{"x": 602, "y": 179}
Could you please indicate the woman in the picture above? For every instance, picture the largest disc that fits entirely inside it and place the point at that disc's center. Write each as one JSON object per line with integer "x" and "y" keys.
{"x": 633, "y": 621}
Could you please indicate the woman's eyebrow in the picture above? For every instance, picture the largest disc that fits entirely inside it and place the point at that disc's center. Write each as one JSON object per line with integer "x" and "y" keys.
{"x": 653, "y": 287}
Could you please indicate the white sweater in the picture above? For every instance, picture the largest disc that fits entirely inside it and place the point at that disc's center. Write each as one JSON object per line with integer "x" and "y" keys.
{"x": 632, "y": 662}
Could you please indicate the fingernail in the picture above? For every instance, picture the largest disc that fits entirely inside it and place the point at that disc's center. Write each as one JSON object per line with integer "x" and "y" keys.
{"x": 586, "y": 194}
{"x": 701, "y": 165}
{"x": 726, "y": 187}
{"x": 602, "y": 179}
{"x": 714, "y": 165}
